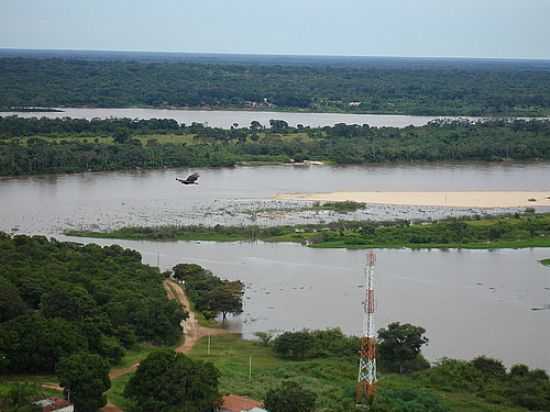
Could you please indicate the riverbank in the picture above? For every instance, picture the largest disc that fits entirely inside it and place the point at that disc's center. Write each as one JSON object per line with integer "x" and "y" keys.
{"x": 443, "y": 199}
{"x": 515, "y": 231}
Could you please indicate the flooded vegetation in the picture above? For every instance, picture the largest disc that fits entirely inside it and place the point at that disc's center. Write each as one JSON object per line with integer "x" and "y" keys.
{"x": 516, "y": 231}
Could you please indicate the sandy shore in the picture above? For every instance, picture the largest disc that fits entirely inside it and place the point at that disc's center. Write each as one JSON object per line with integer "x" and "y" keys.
{"x": 449, "y": 199}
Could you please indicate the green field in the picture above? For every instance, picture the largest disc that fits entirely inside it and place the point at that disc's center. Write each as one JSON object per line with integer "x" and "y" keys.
{"x": 332, "y": 379}
{"x": 545, "y": 262}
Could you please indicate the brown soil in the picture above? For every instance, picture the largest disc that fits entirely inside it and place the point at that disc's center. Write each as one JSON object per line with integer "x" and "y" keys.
{"x": 191, "y": 328}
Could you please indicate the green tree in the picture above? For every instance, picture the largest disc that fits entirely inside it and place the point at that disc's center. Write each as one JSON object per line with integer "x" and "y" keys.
{"x": 264, "y": 337}
{"x": 11, "y": 304}
{"x": 294, "y": 345}
{"x": 255, "y": 125}
{"x": 121, "y": 136}
{"x": 86, "y": 378}
{"x": 68, "y": 302}
{"x": 185, "y": 270}
{"x": 227, "y": 298}
{"x": 489, "y": 367}
{"x": 290, "y": 397}
{"x": 398, "y": 344}
{"x": 172, "y": 382}
{"x": 31, "y": 343}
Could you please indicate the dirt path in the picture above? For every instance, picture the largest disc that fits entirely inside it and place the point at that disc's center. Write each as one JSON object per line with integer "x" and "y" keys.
{"x": 191, "y": 328}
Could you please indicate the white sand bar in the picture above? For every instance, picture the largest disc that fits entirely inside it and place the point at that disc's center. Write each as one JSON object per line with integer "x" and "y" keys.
{"x": 449, "y": 199}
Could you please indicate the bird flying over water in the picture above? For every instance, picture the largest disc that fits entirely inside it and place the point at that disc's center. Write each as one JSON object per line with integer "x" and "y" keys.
{"x": 189, "y": 180}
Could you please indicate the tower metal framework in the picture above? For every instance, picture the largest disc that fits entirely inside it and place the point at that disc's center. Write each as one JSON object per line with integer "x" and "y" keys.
{"x": 366, "y": 381}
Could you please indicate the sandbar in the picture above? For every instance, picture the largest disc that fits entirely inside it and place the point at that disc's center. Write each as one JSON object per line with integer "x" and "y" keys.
{"x": 487, "y": 199}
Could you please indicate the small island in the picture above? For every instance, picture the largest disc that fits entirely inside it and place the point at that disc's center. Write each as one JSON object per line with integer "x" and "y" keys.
{"x": 513, "y": 231}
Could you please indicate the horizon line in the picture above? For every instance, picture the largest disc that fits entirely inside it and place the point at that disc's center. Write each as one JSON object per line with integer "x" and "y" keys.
{"x": 217, "y": 53}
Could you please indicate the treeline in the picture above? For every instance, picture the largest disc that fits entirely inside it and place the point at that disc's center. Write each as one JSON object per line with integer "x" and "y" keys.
{"x": 15, "y": 126}
{"x": 449, "y": 89}
{"x": 210, "y": 294}
{"x": 39, "y": 156}
{"x": 398, "y": 348}
{"x": 59, "y": 299}
{"x": 211, "y": 147}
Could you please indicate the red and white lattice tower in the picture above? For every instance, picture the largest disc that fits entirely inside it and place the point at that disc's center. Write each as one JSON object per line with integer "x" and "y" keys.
{"x": 366, "y": 382}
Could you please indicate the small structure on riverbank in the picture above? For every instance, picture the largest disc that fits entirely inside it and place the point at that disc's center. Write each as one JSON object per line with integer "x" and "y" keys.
{"x": 54, "y": 404}
{"x": 236, "y": 403}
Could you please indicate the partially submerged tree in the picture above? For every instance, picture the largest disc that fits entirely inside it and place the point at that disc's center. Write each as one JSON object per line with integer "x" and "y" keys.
{"x": 227, "y": 298}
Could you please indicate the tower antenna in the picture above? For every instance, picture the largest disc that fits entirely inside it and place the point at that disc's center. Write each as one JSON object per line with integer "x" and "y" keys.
{"x": 366, "y": 381}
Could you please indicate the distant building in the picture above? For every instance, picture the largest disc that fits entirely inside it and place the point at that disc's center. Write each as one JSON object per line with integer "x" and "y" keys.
{"x": 236, "y": 403}
{"x": 54, "y": 404}
{"x": 354, "y": 104}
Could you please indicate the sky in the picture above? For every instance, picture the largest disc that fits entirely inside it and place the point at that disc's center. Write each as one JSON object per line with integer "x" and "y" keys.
{"x": 415, "y": 28}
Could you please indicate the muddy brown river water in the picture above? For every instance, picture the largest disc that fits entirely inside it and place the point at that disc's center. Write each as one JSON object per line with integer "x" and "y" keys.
{"x": 470, "y": 302}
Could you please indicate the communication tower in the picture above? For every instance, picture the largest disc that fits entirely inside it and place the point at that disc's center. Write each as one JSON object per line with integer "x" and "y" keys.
{"x": 366, "y": 381}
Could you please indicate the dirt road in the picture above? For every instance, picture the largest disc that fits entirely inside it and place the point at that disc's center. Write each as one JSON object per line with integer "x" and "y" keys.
{"x": 191, "y": 330}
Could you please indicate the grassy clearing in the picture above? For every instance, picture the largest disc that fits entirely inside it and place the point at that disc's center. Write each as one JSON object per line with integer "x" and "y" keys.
{"x": 8, "y": 382}
{"x": 115, "y": 395}
{"x": 138, "y": 353}
{"x": 332, "y": 379}
{"x": 545, "y": 262}
{"x": 164, "y": 138}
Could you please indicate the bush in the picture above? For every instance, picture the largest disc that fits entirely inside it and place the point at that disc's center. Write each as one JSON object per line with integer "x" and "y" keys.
{"x": 307, "y": 344}
{"x": 407, "y": 400}
{"x": 290, "y": 397}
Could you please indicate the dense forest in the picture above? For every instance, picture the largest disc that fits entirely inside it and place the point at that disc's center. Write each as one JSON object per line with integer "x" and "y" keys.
{"x": 58, "y": 299}
{"x": 408, "y": 88}
{"x": 32, "y": 146}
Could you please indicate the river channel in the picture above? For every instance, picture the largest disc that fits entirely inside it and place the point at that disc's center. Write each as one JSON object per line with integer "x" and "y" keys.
{"x": 227, "y": 118}
{"x": 470, "y": 302}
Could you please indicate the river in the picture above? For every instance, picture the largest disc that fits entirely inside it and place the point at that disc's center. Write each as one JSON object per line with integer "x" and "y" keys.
{"x": 49, "y": 204}
{"x": 226, "y": 118}
{"x": 470, "y": 302}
